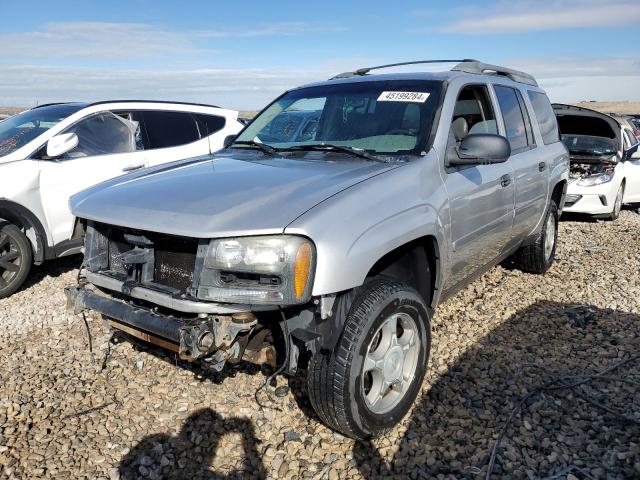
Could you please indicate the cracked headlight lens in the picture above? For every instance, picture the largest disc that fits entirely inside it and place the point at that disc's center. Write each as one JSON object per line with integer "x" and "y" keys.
{"x": 270, "y": 269}
{"x": 596, "y": 179}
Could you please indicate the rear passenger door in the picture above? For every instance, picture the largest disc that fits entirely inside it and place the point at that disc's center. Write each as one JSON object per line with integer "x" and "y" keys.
{"x": 170, "y": 136}
{"x": 530, "y": 169}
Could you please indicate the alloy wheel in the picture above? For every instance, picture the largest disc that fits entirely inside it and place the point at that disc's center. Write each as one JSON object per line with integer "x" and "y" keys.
{"x": 550, "y": 236}
{"x": 390, "y": 363}
{"x": 10, "y": 259}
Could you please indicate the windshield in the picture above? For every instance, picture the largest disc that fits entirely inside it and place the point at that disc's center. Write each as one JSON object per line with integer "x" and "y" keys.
{"x": 587, "y": 145}
{"x": 17, "y": 131}
{"x": 383, "y": 117}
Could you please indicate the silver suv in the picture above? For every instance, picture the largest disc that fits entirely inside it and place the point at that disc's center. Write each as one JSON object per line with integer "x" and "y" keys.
{"x": 326, "y": 233}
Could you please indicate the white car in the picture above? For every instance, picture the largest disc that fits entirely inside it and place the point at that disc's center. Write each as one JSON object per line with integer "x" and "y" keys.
{"x": 605, "y": 161}
{"x": 52, "y": 151}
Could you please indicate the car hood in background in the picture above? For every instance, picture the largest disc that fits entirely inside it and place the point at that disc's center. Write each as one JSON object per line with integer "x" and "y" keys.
{"x": 222, "y": 196}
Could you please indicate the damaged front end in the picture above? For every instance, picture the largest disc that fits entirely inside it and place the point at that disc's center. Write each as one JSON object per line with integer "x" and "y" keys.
{"x": 156, "y": 288}
{"x": 588, "y": 171}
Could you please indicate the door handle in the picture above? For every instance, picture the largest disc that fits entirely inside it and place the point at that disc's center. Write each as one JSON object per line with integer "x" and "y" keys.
{"x": 542, "y": 166}
{"x": 505, "y": 180}
{"x": 131, "y": 168}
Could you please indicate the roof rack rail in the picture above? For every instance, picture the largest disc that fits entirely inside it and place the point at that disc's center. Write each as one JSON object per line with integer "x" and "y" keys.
{"x": 363, "y": 71}
{"x": 484, "y": 68}
{"x": 50, "y": 104}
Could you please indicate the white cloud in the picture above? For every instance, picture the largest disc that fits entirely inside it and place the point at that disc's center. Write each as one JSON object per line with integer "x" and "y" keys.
{"x": 527, "y": 15}
{"x": 575, "y": 79}
{"x": 26, "y": 85}
{"x": 133, "y": 41}
{"x": 251, "y": 88}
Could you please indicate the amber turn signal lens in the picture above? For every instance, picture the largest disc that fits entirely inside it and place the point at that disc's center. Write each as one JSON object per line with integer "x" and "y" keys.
{"x": 302, "y": 269}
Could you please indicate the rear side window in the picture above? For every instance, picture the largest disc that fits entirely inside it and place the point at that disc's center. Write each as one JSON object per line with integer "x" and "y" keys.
{"x": 169, "y": 129}
{"x": 514, "y": 120}
{"x": 545, "y": 117}
{"x": 209, "y": 124}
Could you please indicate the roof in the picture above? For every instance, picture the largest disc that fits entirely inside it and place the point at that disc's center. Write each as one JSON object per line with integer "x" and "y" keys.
{"x": 104, "y": 102}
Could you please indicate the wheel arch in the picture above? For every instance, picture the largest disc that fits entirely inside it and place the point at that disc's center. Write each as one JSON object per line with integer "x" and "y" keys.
{"x": 558, "y": 194}
{"x": 27, "y": 221}
{"x": 416, "y": 263}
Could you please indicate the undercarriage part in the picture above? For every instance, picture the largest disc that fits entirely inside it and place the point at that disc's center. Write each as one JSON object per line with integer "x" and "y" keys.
{"x": 163, "y": 326}
{"x": 259, "y": 349}
{"x": 214, "y": 339}
{"x": 147, "y": 337}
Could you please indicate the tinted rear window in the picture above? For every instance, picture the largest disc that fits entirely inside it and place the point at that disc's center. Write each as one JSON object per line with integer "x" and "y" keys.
{"x": 169, "y": 129}
{"x": 545, "y": 117}
{"x": 209, "y": 124}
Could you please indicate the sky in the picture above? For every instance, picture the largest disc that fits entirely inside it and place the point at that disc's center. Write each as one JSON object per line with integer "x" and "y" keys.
{"x": 245, "y": 53}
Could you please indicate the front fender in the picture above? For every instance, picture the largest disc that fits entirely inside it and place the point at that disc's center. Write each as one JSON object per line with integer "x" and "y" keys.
{"x": 355, "y": 228}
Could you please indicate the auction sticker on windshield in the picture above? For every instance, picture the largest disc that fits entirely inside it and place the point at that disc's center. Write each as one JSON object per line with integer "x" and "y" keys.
{"x": 419, "y": 97}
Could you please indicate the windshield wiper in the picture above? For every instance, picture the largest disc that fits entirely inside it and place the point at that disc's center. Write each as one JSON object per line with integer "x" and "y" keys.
{"x": 268, "y": 149}
{"x": 324, "y": 147}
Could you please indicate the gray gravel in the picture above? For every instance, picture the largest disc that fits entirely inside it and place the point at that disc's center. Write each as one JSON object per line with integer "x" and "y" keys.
{"x": 496, "y": 343}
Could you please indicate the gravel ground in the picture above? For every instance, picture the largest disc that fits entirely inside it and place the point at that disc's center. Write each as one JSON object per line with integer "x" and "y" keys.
{"x": 502, "y": 348}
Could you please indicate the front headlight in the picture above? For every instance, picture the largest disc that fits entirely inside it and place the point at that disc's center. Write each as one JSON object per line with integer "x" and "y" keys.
{"x": 596, "y": 179}
{"x": 270, "y": 269}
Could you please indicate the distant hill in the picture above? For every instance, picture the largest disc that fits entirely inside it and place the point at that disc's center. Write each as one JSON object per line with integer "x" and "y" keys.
{"x": 624, "y": 108}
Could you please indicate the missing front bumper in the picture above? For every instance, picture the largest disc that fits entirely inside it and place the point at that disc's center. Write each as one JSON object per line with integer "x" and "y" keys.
{"x": 215, "y": 339}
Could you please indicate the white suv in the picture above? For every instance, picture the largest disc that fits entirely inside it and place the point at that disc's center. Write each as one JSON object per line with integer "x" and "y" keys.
{"x": 52, "y": 151}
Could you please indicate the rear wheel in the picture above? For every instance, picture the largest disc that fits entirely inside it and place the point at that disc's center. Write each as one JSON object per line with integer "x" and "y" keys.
{"x": 539, "y": 256}
{"x": 369, "y": 381}
{"x": 617, "y": 204}
{"x": 15, "y": 258}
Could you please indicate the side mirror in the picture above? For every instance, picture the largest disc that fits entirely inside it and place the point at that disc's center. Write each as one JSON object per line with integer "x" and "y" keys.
{"x": 483, "y": 149}
{"x": 61, "y": 144}
{"x": 228, "y": 140}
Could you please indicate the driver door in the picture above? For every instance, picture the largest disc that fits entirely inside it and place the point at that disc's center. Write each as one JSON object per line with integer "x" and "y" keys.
{"x": 106, "y": 149}
{"x": 481, "y": 196}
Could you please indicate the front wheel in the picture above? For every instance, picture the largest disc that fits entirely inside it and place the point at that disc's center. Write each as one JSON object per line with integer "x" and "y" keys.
{"x": 617, "y": 204}
{"x": 367, "y": 384}
{"x": 539, "y": 256}
{"x": 15, "y": 258}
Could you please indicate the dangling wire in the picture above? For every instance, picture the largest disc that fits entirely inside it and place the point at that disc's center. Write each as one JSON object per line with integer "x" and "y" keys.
{"x": 86, "y": 324}
{"x": 285, "y": 333}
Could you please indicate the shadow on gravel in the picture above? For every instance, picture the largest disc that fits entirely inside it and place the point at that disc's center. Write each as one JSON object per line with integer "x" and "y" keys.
{"x": 51, "y": 268}
{"x": 584, "y": 217}
{"x": 189, "y": 455}
{"x": 554, "y": 431}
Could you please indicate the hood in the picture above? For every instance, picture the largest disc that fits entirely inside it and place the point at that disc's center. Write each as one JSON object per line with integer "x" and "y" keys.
{"x": 582, "y": 122}
{"x": 226, "y": 195}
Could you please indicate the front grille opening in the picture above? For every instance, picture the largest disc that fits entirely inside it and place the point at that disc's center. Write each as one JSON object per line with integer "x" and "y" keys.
{"x": 174, "y": 257}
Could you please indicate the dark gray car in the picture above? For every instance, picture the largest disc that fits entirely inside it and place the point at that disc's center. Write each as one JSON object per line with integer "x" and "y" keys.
{"x": 326, "y": 247}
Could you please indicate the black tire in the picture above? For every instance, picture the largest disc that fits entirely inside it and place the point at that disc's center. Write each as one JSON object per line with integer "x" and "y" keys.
{"x": 535, "y": 258}
{"x": 617, "y": 204}
{"x": 335, "y": 381}
{"x": 16, "y": 258}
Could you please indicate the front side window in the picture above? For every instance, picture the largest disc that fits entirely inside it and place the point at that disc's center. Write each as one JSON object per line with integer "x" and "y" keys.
{"x": 17, "y": 131}
{"x": 472, "y": 114}
{"x": 545, "y": 117}
{"x": 103, "y": 134}
{"x": 166, "y": 129}
{"x": 380, "y": 117}
{"x": 513, "y": 118}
